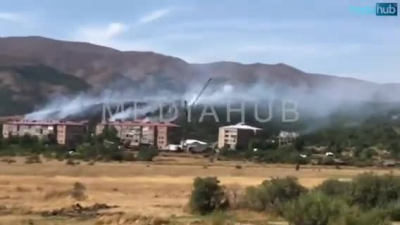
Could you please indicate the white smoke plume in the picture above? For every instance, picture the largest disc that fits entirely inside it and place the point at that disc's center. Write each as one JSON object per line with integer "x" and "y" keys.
{"x": 63, "y": 107}
{"x": 135, "y": 112}
{"x": 320, "y": 101}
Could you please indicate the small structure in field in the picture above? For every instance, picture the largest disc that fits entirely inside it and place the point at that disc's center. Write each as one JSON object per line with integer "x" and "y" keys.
{"x": 196, "y": 146}
{"x": 287, "y": 138}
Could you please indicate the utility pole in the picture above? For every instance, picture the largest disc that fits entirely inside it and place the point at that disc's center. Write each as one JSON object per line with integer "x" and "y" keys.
{"x": 185, "y": 108}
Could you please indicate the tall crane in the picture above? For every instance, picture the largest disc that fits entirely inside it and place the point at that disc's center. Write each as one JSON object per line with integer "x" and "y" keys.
{"x": 201, "y": 92}
{"x": 185, "y": 108}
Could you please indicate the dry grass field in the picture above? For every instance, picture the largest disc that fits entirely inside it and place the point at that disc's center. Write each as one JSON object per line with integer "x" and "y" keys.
{"x": 159, "y": 188}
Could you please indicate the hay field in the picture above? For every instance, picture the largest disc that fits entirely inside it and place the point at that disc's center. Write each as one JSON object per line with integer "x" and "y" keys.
{"x": 159, "y": 188}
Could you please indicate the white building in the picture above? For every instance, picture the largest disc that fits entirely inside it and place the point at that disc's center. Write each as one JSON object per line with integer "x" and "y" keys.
{"x": 236, "y": 136}
{"x": 191, "y": 145}
{"x": 286, "y": 138}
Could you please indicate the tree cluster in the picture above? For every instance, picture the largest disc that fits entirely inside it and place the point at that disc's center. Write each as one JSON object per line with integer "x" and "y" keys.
{"x": 367, "y": 200}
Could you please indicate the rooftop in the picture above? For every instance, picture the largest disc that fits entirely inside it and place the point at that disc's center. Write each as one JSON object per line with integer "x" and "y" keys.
{"x": 47, "y": 122}
{"x": 140, "y": 123}
{"x": 193, "y": 141}
{"x": 10, "y": 118}
{"x": 242, "y": 126}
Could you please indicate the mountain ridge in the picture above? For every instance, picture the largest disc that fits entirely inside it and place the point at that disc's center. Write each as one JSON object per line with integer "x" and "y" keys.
{"x": 99, "y": 66}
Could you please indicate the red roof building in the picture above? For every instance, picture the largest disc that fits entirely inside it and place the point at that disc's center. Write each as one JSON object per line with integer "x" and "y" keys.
{"x": 66, "y": 132}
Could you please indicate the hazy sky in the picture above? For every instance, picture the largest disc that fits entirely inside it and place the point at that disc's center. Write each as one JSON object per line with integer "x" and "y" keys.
{"x": 321, "y": 36}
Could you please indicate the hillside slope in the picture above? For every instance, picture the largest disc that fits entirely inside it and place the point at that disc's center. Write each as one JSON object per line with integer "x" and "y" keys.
{"x": 24, "y": 86}
{"x": 81, "y": 66}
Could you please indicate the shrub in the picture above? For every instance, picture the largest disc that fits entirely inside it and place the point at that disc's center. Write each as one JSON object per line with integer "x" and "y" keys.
{"x": 394, "y": 212}
{"x": 79, "y": 186}
{"x": 368, "y": 153}
{"x": 314, "y": 209}
{"x": 120, "y": 156}
{"x": 9, "y": 161}
{"x": 256, "y": 198}
{"x": 369, "y": 190}
{"x": 117, "y": 156}
{"x": 233, "y": 195}
{"x": 219, "y": 218}
{"x": 285, "y": 154}
{"x": 110, "y": 133}
{"x": 297, "y": 159}
{"x": 22, "y": 189}
{"x": 71, "y": 162}
{"x": 334, "y": 188}
{"x": 28, "y": 140}
{"x": 129, "y": 157}
{"x": 207, "y": 196}
{"x": 33, "y": 159}
{"x": 372, "y": 217}
{"x": 363, "y": 163}
{"x": 328, "y": 161}
{"x": 60, "y": 157}
{"x": 270, "y": 195}
{"x": 160, "y": 221}
{"x": 147, "y": 154}
{"x": 54, "y": 194}
{"x": 78, "y": 191}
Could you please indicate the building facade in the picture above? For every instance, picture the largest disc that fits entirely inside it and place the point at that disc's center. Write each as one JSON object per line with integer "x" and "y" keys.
{"x": 236, "y": 136}
{"x": 157, "y": 134}
{"x": 71, "y": 132}
{"x": 65, "y": 132}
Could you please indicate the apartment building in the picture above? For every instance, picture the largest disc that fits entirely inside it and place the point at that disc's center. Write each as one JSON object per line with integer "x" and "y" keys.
{"x": 134, "y": 136}
{"x": 71, "y": 132}
{"x": 236, "y": 136}
{"x": 159, "y": 134}
{"x": 123, "y": 128}
{"x": 168, "y": 133}
{"x": 66, "y": 132}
